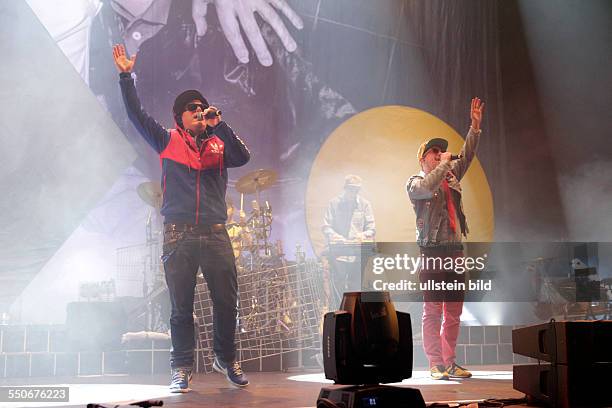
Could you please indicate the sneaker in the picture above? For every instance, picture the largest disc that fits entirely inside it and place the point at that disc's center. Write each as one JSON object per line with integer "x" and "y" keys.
{"x": 438, "y": 372}
{"x": 181, "y": 377}
{"x": 456, "y": 371}
{"x": 232, "y": 372}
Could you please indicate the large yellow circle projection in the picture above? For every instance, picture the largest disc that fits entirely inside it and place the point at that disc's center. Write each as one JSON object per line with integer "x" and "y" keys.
{"x": 380, "y": 145}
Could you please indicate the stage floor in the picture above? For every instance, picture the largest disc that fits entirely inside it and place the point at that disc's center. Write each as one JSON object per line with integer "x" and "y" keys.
{"x": 272, "y": 389}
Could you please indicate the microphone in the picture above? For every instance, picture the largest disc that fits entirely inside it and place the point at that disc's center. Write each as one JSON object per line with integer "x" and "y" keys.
{"x": 456, "y": 156}
{"x": 211, "y": 114}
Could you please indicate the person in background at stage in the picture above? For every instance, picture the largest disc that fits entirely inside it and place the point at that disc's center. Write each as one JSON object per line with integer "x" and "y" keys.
{"x": 195, "y": 157}
{"x": 348, "y": 220}
{"x": 435, "y": 193}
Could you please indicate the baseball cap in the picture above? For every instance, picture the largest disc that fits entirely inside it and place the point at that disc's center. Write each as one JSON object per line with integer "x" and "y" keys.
{"x": 425, "y": 146}
{"x": 352, "y": 180}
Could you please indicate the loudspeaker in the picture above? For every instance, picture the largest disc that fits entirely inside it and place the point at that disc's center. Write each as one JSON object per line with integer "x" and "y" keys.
{"x": 578, "y": 342}
{"x": 95, "y": 326}
{"x": 565, "y": 386}
{"x": 578, "y": 355}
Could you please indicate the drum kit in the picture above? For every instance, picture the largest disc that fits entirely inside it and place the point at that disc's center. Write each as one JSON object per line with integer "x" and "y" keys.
{"x": 251, "y": 235}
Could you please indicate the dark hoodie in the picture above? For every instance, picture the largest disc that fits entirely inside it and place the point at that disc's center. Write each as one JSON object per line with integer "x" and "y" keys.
{"x": 194, "y": 180}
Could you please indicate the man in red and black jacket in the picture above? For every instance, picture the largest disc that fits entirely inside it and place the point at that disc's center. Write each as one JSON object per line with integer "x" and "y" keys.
{"x": 194, "y": 158}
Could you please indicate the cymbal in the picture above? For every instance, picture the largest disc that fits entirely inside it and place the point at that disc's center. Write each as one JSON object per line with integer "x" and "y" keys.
{"x": 151, "y": 193}
{"x": 256, "y": 181}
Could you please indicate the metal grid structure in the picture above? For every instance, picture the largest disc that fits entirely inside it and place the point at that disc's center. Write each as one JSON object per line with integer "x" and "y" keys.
{"x": 139, "y": 268}
{"x": 278, "y": 312}
{"x": 140, "y": 274}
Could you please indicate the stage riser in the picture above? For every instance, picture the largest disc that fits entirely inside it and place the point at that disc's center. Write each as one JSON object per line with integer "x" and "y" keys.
{"x": 33, "y": 338}
{"x": 18, "y": 365}
{"x": 479, "y": 345}
{"x": 49, "y": 364}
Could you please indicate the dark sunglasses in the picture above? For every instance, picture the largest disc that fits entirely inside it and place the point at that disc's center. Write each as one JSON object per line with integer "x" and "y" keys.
{"x": 435, "y": 150}
{"x": 192, "y": 107}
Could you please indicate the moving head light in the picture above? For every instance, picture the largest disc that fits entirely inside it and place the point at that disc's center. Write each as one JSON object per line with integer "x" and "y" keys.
{"x": 365, "y": 343}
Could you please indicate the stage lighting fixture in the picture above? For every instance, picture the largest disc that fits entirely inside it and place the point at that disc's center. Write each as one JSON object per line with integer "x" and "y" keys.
{"x": 365, "y": 343}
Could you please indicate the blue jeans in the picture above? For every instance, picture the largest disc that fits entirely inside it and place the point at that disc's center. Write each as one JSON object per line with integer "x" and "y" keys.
{"x": 184, "y": 252}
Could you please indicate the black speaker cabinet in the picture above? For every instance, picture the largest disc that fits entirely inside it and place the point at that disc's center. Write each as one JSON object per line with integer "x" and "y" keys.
{"x": 565, "y": 342}
{"x": 565, "y": 386}
{"x": 577, "y": 357}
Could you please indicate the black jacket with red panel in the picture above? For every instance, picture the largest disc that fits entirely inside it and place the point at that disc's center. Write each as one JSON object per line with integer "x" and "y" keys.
{"x": 194, "y": 180}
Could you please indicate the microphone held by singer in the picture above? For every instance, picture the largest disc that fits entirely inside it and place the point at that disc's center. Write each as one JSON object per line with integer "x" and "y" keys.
{"x": 208, "y": 114}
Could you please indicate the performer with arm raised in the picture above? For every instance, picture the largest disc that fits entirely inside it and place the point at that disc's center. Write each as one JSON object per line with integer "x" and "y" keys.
{"x": 435, "y": 193}
{"x": 194, "y": 158}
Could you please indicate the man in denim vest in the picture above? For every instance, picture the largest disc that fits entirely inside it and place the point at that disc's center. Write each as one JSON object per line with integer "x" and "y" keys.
{"x": 435, "y": 193}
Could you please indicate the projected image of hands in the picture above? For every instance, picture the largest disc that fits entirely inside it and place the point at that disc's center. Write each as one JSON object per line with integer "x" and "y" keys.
{"x": 238, "y": 16}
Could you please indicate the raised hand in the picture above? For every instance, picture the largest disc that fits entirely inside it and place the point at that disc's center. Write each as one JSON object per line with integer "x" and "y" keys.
{"x": 476, "y": 112}
{"x": 123, "y": 63}
{"x": 236, "y": 14}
